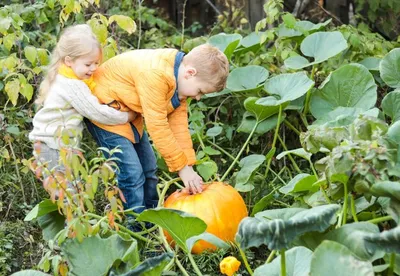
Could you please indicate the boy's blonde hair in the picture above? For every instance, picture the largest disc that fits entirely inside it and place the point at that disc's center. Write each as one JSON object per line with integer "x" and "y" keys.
{"x": 210, "y": 63}
{"x": 75, "y": 41}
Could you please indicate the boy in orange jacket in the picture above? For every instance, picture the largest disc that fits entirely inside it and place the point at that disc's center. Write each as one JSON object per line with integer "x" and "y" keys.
{"x": 155, "y": 84}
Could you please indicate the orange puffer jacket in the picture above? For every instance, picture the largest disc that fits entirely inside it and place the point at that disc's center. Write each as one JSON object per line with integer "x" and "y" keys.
{"x": 145, "y": 82}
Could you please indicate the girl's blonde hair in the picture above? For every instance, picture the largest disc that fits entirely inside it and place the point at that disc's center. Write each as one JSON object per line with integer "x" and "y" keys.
{"x": 75, "y": 41}
{"x": 211, "y": 64}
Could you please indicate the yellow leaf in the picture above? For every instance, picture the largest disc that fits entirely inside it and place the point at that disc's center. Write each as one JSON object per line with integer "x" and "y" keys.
{"x": 124, "y": 22}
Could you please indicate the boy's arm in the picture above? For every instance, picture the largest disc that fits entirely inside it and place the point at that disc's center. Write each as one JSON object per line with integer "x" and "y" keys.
{"x": 81, "y": 98}
{"x": 178, "y": 120}
{"x": 152, "y": 87}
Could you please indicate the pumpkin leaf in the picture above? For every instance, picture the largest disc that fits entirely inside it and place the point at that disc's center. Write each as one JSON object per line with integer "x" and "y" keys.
{"x": 247, "y": 79}
{"x": 260, "y": 111}
{"x": 80, "y": 254}
{"x": 371, "y": 63}
{"x": 389, "y": 189}
{"x": 298, "y": 263}
{"x": 214, "y": 131}
{"x": 351, "y": 85}
{"x": 41, "y": 209}
{"x": 248, "y": 165}
{"x": 30, "y": 272}
{"x": 207, "y": 169}
{"x": 227, "y": 43}
{"x": 263, "y": 203}
{"x": 51, "y": 223}
{"x": 299, "y": 152}
{"x": 394, "y": 132}
{"x": 390, "y": 67}
{"x": 250, "y": 43}
{"x": 208, "y": 237}
{"x": 249, "y": 121}
{"x": 300, "y": 183}
{"x": 321, "y": 46}
{"x": 332, "y": 258}
{"x": 387, "y": 241}
{"x": 180, "y": 225}
{"x": 351, "y": 236}
{"x": 391, "y": 105}
{"x": 344, "y": 116}
{"x": 254, "y": 232}
{"x": 152, "y": 266}
{"x": 284, "y": 214}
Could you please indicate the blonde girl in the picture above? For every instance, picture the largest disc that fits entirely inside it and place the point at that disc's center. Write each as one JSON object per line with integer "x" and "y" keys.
{"x": 65, "y": 95}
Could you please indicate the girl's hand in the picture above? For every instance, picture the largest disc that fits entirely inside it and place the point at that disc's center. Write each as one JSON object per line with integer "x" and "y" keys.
{"x": 191, "y": 179}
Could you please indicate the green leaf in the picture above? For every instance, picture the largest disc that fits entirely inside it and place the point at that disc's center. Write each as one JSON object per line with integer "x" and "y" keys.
{"x": 351, "y": 85}
{"x": 207, "y": 169}
{"x": 332, "y": 259}
{"x": 298, "y": 262}
{"x": 151, "y": 267}
{"x": 261, "y": 112}
{"x": 208, "y": 237}
{"x": 300, "y": 183}
{"x": 250, "y": 43}
{"x": 88, "y": 258}
{"x": 248, "y": 165}
{"x": 394, "y": 132}
{"x": 5, "y": 23}
{"x": 41, "y": 209}
{"x": 9, "y": 41}
{"x": 247, "y": 79}
{"x": 51, "y": 224}
{"x": 371, "y": 63}
{"x": 263, "y": 203}
{"x": 389, "y": 189}
{"x": 284, "y": 214}
{"x": 388, "y": 241}
{"x": 43, "y": 56}
{"x": 299, "y": 152}
{"x": 391, "y": 105}
{"x": 214, "y": 131}
{"x": 278, "y": 233}
{"x": 321, "y": 46}
{"x": 30, "y": 54}
{"x": 27, "y": 91}
{"x": 12, "y": 90}
{"x": 99, "y": 29}
{"x": 180, "y": 225}
{"x": 343, "y": 116}
{"x": 125, "y": 22}
{"x": 284, "y": 88}
{"x": 210, "y": 151}
{"x": 227, "y": 43}
{"x": 390, "y": 67}
{"x": 249, "y": 121}
{"x": 351, "y": 236}
{"x": 29, "y": 272}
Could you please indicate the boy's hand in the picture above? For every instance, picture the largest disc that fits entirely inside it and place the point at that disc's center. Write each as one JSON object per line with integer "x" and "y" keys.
{"x": 191, "y": 179}
{"x": 131, "y": 116}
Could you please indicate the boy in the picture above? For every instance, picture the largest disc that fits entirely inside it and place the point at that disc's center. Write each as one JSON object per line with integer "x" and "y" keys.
{"x": 155, "y": 84}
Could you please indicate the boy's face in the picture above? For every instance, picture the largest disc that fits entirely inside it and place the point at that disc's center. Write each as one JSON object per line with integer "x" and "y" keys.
{"x": 191, "y": 86}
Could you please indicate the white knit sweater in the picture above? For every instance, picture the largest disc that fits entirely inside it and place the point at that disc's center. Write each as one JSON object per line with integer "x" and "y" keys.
{"x": 68, "y": 101}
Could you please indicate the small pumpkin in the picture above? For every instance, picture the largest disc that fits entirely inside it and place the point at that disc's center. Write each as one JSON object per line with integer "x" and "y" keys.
{"x": 220, "y": 206}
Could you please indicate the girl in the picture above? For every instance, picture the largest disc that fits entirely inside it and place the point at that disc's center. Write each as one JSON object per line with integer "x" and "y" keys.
{"x": 65, "y": 96}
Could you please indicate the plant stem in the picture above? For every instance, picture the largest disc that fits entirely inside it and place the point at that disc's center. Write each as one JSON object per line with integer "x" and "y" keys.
{"x": 274, "y": 140}
{"x": 345, "y": 203}
{"x": 240, "y": 152}
{"x": 381, "y": 219}
{"x": 392, "y": 264}
{"x": 353, "y": 208}
{"x": 289, "y": 155}
{"x": 17, "y": 171}
{"x": 283, "y": 262}
{"x": 289, "y": 125}
{"x": 246, "y": 263}
{"x": 308, "y": 96}
{"x": 271, "y": 256}
{"x": 303, "y": 119}
{"x": 195, "y": 267}
{"x": 222, "y": 150}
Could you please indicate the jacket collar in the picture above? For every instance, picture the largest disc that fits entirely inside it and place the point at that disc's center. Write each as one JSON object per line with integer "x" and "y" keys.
{"x": 175, "y": 98}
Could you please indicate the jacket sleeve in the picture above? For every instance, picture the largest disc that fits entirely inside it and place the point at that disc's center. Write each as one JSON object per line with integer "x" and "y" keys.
{"x": 178, "y": 121}
{"x": 152, "y": 87}
{"x": 86, "y": 104}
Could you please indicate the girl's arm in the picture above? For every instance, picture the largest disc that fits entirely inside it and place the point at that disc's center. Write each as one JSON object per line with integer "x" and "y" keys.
{"x": 81, "y": 98}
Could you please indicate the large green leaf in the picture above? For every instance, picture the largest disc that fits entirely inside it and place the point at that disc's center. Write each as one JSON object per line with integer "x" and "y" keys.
{"x": 300, "y": 183}
{"x": 41, "y": 209}
{"x": 260, "y": 111}
{"x": 321, "y": 46}
{"x": 298, "y": 262}
{"x": 285, "y": 88}
{"x": 300, "y": 28}
{"x": 227, "y": 43}
{"x": 391, "y": 104}
{"x": 249, "y": 43}
{"x": 283, "y": 214}
{"x": 95, "y": 256}
{"x": 394, "y": 132}
{"x": 351, "y": 85}
{"x": 278, "y": 233}
{"x": 207, "y": 169}
{"x": 249, "y": 121}
{"x": 150, "y": 267}
{"x": 343, "y": 116}
{"x": 299, "y": 152}
{"x": 390, "y": 68}
{"x": 351, "y": 236}
{"x": 51, "y": 224}
{"x": 247, "y": 79}
{"x": 389, "y": 189}
{"x": 180, "y": 225}
{"x": 333, "y": 259}
{"x": 387, "y": 241}
{"x": 248, "y": 165}
{"x": 371, "y": 63}
{"x": 29, "y": 272}
{"x": 208, "y": 237}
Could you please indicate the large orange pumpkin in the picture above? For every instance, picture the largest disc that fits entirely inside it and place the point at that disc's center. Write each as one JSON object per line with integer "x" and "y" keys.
{"x": 220, "y": 206}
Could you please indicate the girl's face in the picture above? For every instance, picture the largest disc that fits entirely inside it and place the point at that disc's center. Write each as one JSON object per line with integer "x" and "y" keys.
{"x": 84, "y": 66}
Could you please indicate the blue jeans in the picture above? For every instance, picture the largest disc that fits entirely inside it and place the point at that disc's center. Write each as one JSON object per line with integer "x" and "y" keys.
{"x": 137, "y": 167}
